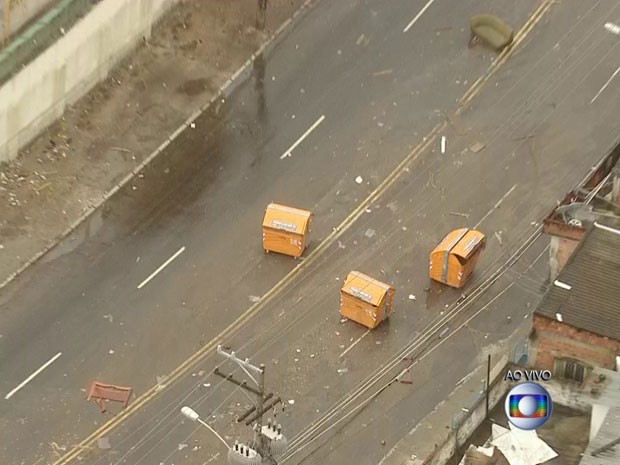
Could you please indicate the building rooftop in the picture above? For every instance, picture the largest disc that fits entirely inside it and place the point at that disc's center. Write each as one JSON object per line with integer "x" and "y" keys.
{"x": 599, "y": 395}
{"x": 602, "y": 390}
{"x": 608, "y": 433}
{"x": 586, "y": 293}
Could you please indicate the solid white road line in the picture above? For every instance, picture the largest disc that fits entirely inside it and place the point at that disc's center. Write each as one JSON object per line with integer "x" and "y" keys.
{"x": 496, "y": 206}
{"x": 32, "y": 376}
{"x": 413, "y": 21}
{"x": 300, "y": 140}
{"x": 605, "y": 86}
{"x": 166, "y": 263}
{"x": 355, "y": 343}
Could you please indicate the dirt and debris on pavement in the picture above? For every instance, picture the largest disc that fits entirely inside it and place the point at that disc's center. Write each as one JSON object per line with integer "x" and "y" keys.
{"x": 196, "y": 47}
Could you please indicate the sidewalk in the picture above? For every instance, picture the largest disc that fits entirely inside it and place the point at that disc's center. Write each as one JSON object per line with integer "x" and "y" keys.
{"x": 70, "y": 169}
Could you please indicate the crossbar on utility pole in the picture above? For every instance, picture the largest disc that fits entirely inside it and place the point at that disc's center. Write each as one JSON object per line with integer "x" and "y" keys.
{"x": 262, "y": 411}
{"x": 231, "y": 378}
{"x": 252, "y": 409}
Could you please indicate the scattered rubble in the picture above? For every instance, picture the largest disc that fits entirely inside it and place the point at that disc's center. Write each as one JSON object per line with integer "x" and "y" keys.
{"x": 498, "y": 236}
{"x": 476, "y": 147}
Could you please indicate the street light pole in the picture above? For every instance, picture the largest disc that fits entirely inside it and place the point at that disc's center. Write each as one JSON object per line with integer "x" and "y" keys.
{"x": 190, "y": 413}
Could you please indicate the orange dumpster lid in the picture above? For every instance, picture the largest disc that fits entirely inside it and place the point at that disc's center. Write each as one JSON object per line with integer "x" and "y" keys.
{"x": 467, "y": 245}
{"x": 286, "y": 218}
{"x": 365, "y": 288}
{"x": 461, "y": 242}
{"x": 450, "y": 240}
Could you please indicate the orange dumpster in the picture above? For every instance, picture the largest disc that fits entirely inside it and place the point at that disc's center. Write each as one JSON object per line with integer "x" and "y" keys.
{"x": 286, "y": 229}
{"x": 453, "y": 261}
{"x": 366, "y": 300}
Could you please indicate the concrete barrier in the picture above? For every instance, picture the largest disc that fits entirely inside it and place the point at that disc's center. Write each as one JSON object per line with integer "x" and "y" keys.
{"x": 38, "y": 95}
{"x": 15, "y": 15}
{"x": 40, "y": 35}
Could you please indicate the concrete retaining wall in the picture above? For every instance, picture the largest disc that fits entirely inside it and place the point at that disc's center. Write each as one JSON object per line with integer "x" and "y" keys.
{"x": 477, "y": 414}
{"x": 39, "y": 94}
{"x": 443, "y": 452}
{"x": 40, "y": 35}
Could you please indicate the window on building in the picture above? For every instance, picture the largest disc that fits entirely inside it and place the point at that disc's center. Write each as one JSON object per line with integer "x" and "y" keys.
{"x": 570, "y": 369}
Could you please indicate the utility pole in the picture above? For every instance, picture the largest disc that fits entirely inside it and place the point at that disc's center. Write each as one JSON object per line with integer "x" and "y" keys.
{"x": 488, "y": 385}
{"x": 269, "y": 442}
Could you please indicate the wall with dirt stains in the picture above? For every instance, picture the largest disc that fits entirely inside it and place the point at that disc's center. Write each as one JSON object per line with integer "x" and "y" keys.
{"x": 39, "y": 93}
{"x": 14, "y": 14}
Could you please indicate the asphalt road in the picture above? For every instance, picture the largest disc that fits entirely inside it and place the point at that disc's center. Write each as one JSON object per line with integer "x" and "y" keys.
{"x": 379, "y": 93}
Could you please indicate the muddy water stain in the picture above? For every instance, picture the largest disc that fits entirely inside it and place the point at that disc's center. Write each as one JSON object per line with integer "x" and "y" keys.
{"x": 195, "y": 86}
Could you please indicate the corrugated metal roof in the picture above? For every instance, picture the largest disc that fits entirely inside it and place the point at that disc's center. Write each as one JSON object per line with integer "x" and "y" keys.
{"x": 608, "y": 432}
{"x": 586, "y": 293}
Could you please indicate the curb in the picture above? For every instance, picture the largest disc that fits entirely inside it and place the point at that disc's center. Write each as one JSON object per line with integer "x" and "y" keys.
{"x": 238, "y": 78}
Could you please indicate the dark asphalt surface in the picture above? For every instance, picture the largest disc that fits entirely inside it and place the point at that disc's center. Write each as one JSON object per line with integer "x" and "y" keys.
{"x": 208, "y": 194}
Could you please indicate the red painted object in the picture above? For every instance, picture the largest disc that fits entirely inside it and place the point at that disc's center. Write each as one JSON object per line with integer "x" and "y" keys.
{"x": 100, "y": 392}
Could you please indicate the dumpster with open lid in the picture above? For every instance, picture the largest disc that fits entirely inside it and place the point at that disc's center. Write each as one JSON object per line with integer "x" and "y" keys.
{"x": 286, "y": 229}
{"x": 453, "y": 261}
{"x": 365, "y": 300}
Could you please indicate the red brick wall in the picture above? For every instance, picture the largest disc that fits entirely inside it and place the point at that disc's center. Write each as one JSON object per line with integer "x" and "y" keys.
{"x": 566, "y": 247}
{"x": 559, "y": 340}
